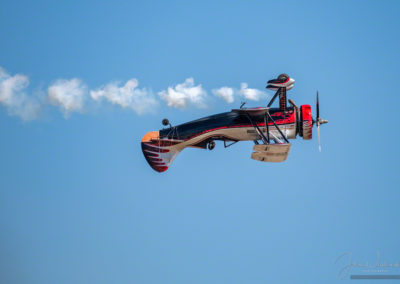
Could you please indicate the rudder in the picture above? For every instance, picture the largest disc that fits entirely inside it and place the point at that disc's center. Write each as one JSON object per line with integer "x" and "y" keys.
{"x": 158, "y": 156}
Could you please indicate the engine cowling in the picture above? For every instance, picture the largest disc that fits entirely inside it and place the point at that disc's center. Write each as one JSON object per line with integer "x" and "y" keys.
{"x": 306, "y": 122}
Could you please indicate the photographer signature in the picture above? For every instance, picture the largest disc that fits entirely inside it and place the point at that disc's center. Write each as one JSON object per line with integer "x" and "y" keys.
{"x": 378, "y": 266}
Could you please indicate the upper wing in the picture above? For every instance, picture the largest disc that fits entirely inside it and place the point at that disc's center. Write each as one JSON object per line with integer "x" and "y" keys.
{"x": 271, "y": 152}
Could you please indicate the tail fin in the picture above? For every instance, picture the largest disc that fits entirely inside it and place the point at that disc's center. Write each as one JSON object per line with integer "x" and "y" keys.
{"x": 159, "y": 156}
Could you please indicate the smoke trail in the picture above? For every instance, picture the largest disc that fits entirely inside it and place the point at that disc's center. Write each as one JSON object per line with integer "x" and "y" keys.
{"x": 14, "y": 98}
{"x": 69, "y": 95}
{"x": 184, "y": 95}
{"x": 73, "y": 95}
{"x": 127, "y": 96}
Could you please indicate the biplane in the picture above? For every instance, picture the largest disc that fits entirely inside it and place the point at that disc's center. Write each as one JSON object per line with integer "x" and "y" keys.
{"x": 270, "y": 129}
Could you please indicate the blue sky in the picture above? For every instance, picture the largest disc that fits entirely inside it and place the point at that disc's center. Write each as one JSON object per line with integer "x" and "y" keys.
{"x": 78, "y": 202}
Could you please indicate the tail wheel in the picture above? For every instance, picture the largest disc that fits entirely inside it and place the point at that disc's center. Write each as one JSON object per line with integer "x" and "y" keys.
{"x": 283, "y": 77}
{"x": 211, "y": 145}
{"x": 307, "y": 122}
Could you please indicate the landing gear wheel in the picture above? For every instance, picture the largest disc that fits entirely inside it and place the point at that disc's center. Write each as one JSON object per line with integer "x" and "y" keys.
{"x": 283, "y": 77}
{"x": 211, "y": 145}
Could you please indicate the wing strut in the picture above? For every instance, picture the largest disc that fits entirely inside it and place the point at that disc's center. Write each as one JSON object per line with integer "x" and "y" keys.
{"x": 274, "y": 97}
{"x": 277, "y": 127}
{"x": 267, "y": 117}
{"x": 277, "y": 152}
{"x": 263, "y": 138}
{"x": 228, "y": 145}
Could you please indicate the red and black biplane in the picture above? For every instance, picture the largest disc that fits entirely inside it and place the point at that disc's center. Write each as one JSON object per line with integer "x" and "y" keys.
{"x": 269, "y": 128}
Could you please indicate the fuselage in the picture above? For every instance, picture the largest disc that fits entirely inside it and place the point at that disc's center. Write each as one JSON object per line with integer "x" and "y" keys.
{"x": 231, "y": 126}
{"x": 273, "y": 126}
{"x": 161, "y": 147}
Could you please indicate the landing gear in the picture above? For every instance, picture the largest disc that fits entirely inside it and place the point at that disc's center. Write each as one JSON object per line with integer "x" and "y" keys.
{"x": 211, "y": 145}
{"x": 283, "y": 77}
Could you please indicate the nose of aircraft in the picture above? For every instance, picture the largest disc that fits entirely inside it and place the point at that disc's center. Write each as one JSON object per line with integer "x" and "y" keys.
{"x": 306, "y": 122}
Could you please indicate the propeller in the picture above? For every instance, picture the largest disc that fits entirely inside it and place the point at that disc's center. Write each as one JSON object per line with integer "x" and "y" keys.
{"x": 318, "y": 122}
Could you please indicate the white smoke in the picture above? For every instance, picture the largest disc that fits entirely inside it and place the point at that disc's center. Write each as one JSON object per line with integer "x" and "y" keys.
{"x": 225, "y": 93}
{"x": 229, "y": 94}
{"x": 184, "y": 95}
{"x": 127, "y": 96}
{"x": 68, "y": 95}
{"x": 13, "y": 97}
{"x": 74, "y": 96}
{"x": 252, "y": 94}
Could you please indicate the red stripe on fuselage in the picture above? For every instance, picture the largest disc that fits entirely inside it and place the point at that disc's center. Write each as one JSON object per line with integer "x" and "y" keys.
{"x": 289, "y": 120}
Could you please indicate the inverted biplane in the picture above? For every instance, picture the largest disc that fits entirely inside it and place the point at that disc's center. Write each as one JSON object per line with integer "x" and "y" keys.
{"x": 269, "y": 128}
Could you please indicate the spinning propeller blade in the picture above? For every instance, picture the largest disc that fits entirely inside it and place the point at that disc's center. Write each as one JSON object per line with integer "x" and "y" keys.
{"x": 317, "y": 107}
{"x": 319, "y": 121}
{"x": 319, "y": 139}
{"x": 319, "y": 134}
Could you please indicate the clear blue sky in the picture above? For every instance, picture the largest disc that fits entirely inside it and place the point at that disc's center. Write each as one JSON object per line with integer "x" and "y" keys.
{"x": 79, "y": 204}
